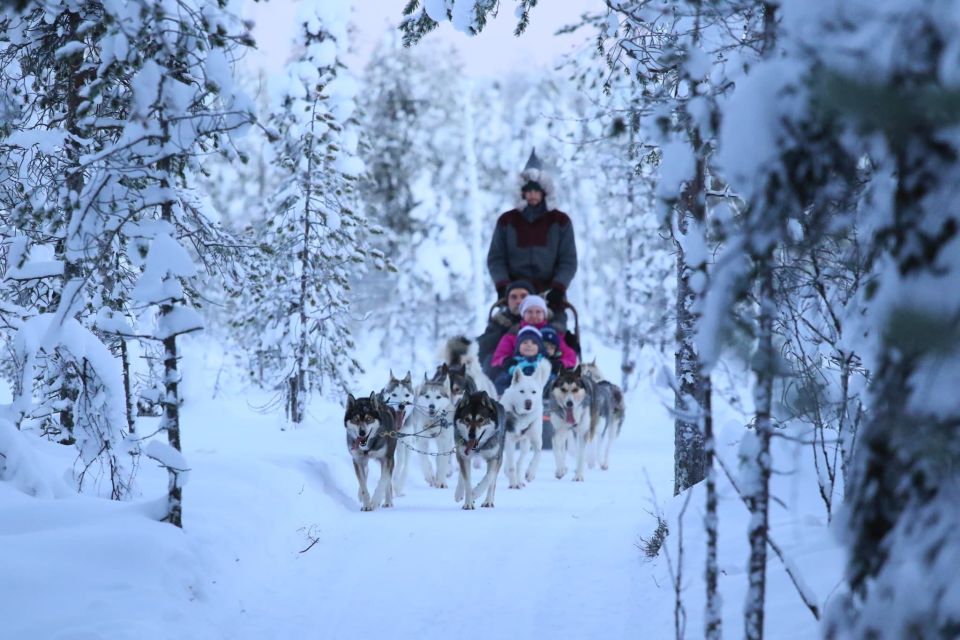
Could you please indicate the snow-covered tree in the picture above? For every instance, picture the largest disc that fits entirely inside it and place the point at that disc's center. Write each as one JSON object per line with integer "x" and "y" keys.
{"x": 299, "y": 300}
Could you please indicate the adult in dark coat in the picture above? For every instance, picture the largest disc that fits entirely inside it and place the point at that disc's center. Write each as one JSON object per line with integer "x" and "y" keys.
{"x": 534, "y": 242}
{"x": 502, "y": 321}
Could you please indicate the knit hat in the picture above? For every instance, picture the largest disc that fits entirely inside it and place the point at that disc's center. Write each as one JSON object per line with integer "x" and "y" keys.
{"x": 519, "y": 284}
{"x": 529, "y": 333}
{"x": 532, "y": 301}
{"x": 549, "y": 334}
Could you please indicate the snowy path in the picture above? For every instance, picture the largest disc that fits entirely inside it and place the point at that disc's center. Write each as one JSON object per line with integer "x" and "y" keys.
{"x": 555, "y": 560}
{"x": 551, "y": 560}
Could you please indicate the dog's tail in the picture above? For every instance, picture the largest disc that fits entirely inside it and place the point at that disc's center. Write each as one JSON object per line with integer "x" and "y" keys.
{"x": 457, "y": 349}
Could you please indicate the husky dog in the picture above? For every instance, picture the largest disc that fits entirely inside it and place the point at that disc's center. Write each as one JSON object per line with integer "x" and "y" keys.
{"x": 608, "y": 401}
{"x": 369, "y": 425}
{"x": 523, "y": 403}
{"x": 479, "y": 431}
{"x": 461, "y": 352}
{"x": 431, "y": 421}
{"x": 573, "y": 415}
{"x": 609, "y": 409}
{"x": 399, "y": 395}
{"x": 592, "y": 371}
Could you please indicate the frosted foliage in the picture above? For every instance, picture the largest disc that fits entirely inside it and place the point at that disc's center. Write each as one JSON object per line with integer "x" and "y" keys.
{"x": 752, "y": 132}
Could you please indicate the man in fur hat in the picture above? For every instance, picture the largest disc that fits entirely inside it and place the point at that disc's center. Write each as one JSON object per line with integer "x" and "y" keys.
{"x": 534, "y": 242}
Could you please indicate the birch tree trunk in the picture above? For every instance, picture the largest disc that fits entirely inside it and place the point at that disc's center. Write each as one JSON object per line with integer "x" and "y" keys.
{"x": 756, "y": 456}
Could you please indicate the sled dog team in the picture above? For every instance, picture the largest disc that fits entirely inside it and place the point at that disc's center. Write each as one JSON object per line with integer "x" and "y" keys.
{"x": 456, "y": 412}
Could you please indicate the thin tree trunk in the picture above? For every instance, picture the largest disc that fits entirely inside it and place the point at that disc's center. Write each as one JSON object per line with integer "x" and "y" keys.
{"x": 688, "y": 404}
{"x": 297, "y": 399}
{"x": 713, "y": 615}
{"x": 72, "y": 75}
{"x": 171, "y": 375}
{"x": 758, "y": 462}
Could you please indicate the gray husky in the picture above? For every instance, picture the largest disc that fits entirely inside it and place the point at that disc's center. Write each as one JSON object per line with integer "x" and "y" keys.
{"x": 479, "y": 427}
{"x": 608, "y": 400}
{"x": 369, "y": 425}
{"x": 431, "y": 421}
{"x": 609, "y": 409}
{"x": 399, "y": 395}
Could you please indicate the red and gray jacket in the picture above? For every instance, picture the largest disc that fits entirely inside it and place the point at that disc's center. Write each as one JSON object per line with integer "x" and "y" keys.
{"x": 533, "y": 245}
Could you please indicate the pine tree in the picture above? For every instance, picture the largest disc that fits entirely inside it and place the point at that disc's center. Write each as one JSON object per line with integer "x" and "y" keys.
{"x": 299, "y": 301}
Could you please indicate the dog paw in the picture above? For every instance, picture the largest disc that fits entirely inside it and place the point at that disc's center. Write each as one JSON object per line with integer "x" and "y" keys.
{"x": 441, "y": 485}
{"x": 487, "y": 505}
{"x": 388, "y": 504}
{"x": 578, "y": 477}
{"x": 604, "y": 467}
{"x": 366, "y": 507}
{"x": 468, "y": 506}
{"x": 560, "y": 473}
{"x": 530, "y": 477}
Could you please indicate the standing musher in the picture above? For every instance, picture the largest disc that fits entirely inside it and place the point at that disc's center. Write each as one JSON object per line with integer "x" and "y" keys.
{"x": 534, "y": 243}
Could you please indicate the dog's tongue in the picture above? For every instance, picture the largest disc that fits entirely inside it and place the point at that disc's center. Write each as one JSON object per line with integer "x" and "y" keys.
{"x": 470, "y": 446}
{"x": 569, "y": 416}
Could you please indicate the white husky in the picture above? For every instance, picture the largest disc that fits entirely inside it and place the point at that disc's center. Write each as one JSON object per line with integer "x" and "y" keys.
{"x": 523, "y": 402}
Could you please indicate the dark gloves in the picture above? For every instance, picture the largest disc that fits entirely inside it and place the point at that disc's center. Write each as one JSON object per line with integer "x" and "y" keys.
{"x": 501, "y": 290}
{"x": 555, "y": 298}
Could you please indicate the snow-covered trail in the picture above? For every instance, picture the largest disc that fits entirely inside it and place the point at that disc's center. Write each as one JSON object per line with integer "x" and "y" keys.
{"x": 555, "y": 559}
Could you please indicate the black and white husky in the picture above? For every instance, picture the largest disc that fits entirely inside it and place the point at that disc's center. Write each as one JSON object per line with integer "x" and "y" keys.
{"x": 369, "y": 426}
{"x": 574, "y": 419}
{"x": 460, "y": 355}
{"x": 479, "y": 427}
{"x": 399, "y": 395}
{"x": 523, "y": 402}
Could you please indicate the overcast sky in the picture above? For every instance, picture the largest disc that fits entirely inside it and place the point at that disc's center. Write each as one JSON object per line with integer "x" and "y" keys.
{"x": 493, "y": 53}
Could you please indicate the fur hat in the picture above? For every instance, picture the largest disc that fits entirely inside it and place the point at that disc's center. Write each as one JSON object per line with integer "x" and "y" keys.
{"x": 534, "y": 176}
{"x": 529, "y": 333}
{"x": 549, "y": 334}
{"x": 532, "y": 301}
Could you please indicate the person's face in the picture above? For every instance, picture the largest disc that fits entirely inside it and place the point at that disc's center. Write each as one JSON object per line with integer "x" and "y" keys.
{"x": 550, "y": 348}
{"x": 533, "y": 197}
{"x": 534, "y": 315}
{"x": 515, "y": 297}
{"x": 528, "y": 349}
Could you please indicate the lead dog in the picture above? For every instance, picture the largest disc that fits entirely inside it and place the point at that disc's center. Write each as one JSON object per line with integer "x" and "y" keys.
{"x": 369, "y": 426}
{"x": 573, "y": 415}
{"x": 479, "y": 431}
{"x": 523, "y": 403}
{"x": 399, "y": 395}
{"x": 431, "y": 422}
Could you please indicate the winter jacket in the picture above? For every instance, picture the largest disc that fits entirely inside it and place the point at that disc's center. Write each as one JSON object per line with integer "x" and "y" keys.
{"x": 499, "y": 324}
{"x": 535, "y": 245}
{"x": 509, "y": 342}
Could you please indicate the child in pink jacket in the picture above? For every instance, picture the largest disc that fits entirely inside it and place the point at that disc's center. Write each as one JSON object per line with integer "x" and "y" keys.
{"x": 533, "y": 312}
